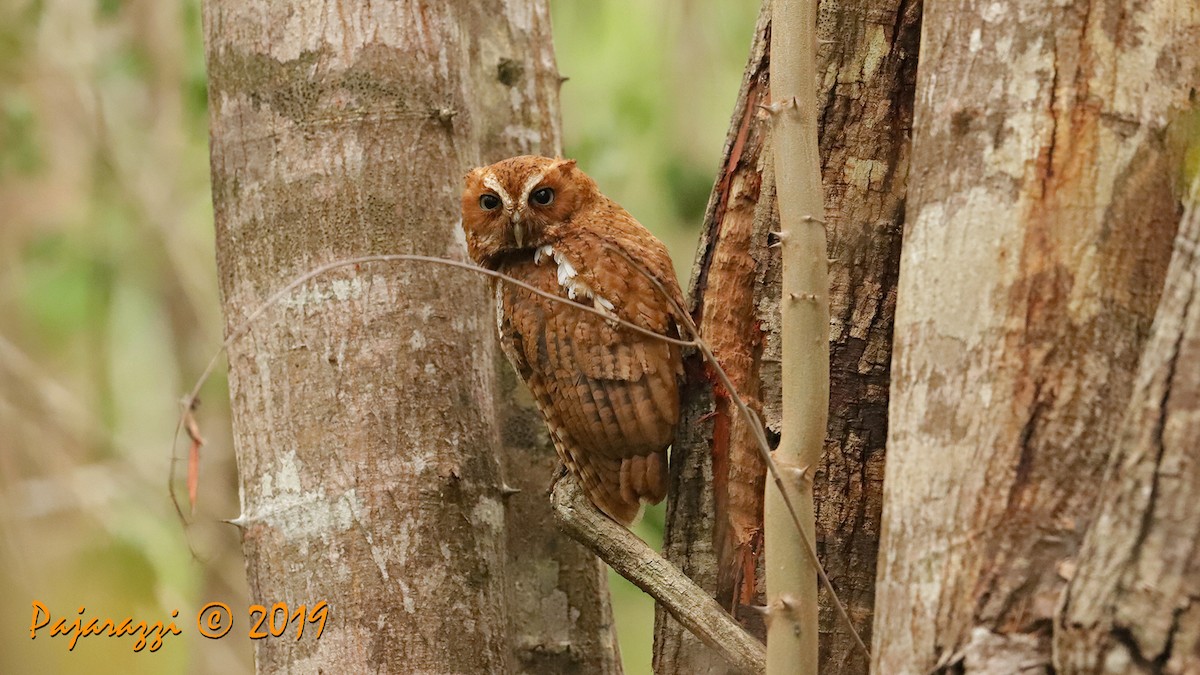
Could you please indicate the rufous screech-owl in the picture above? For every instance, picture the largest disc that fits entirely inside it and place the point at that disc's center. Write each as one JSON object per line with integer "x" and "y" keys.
{"x": 609, "y": 395}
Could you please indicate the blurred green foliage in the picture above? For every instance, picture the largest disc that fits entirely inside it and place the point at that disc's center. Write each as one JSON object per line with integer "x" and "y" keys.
{"x": 647, "y": 105}
{"x": 108, "y": 294}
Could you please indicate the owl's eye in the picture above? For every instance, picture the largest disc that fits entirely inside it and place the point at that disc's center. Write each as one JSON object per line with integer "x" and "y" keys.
{"x": 489, "y": 202}
{"x": 542, "y": 197}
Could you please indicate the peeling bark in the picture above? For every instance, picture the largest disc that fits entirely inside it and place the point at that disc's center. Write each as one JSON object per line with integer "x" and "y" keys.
{"x": 1133, "y": 605}
{"x": 713, "y": 533}
{"x": 714, "y": 524}
{"x": 364, "y": 415}
{"x": 1040, "y": 219}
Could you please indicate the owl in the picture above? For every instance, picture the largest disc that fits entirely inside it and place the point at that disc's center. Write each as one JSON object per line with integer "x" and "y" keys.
{"x": 609, "y": 395}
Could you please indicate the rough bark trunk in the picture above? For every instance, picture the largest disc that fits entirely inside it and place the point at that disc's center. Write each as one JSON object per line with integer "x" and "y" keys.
{"x": 363, "y": 406}
{"x": 1133, "y": 606}
{"x": 713, "y": 530}
{"x": 1040, "y": 220}
{"x": 559, "y": 612}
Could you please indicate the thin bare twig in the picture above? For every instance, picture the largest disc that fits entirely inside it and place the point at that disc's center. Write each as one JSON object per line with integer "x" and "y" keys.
{"x": 187, "y": 404}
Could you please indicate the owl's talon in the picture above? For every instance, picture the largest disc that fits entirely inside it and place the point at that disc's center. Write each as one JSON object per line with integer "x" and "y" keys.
{"x": 559, "y": 474}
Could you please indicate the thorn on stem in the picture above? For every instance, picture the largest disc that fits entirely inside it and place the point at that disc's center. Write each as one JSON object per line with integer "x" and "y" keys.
{"x": 788, "y": 602}
{"x": 782, "y": 604}
{"x": 798, "y": 473}
{"x": 812, "y": 219}
{"x": 507, "y": 491}
{"x": 777, "y": 107}
{"x": 764, "y": 610}
{"x": 445, "y": 115}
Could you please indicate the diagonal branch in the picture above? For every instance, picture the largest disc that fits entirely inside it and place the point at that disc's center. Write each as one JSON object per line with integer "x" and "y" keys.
{"x": 649, "y": 571}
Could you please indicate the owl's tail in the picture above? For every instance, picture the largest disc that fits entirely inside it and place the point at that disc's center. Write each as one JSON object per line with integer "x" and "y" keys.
{"x": 620, "y": 487}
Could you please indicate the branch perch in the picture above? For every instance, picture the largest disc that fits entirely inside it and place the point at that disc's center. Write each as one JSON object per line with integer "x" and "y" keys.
{"x": 649, "y": 571}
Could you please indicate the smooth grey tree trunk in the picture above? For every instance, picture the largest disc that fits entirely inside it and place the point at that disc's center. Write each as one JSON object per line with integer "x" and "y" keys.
{"x": 365, "y": 415}
{"x": 1133, "y": 603}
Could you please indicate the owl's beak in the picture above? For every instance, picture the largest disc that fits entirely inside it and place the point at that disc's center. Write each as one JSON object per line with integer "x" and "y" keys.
{"x": 518, "y": 231}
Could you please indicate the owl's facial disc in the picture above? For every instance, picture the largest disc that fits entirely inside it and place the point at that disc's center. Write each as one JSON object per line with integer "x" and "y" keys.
{"x": 514, "y": 210}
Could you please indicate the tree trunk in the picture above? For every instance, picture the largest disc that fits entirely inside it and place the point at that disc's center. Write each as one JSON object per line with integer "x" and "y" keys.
{"x": 867, "y": 94}
{"x": 1041, "y": 215}
{"x": 1133, "y": 606}
{"x": 363, "y": 406}
{"x": 868, "y": 77}
{"x": 559, "y": 612}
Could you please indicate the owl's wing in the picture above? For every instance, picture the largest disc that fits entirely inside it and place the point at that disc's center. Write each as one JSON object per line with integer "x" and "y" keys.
{"x": 609, "y": 394}
{"x": 620, "y": 261}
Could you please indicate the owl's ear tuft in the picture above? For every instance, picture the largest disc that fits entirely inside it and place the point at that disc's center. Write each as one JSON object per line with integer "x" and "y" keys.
{"x": 472, "y": 174}
{"x": 563, "y": 167}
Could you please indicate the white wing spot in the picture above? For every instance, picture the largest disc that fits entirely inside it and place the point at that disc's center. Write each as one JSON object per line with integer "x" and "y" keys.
{"x": 567, "y": 274}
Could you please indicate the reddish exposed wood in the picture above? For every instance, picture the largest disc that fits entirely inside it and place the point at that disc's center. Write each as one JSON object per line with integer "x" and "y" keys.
{"x": 715, "y": 513}
{"x": 866, "y": 117}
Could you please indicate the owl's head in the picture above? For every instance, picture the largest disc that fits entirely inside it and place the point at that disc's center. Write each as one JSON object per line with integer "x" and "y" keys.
{"x": 517, "y": 205}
